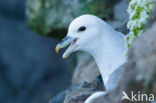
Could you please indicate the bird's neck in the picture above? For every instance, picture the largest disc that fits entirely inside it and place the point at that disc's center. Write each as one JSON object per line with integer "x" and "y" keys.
{"x": 109, "y": 54}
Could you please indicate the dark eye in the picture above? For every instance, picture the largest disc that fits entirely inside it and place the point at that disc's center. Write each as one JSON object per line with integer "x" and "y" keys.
{"x": 82, "y": 28}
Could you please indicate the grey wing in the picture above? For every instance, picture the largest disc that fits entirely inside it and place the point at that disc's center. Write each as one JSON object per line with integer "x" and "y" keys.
{"x": 114, "y": 79}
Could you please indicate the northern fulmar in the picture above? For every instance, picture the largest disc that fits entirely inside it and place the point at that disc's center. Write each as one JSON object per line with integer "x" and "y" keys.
{"x": 93, "y": 35}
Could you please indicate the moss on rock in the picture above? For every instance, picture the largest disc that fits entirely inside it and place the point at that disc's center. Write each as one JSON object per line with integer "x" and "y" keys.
{"x": 52, "y": 17}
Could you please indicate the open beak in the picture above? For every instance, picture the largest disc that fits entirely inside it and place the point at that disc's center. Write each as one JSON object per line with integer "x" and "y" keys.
{"x": 65, "y": 42}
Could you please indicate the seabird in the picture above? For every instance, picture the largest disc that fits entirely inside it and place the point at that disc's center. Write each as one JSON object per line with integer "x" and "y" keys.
{"x": 93, "y": 35}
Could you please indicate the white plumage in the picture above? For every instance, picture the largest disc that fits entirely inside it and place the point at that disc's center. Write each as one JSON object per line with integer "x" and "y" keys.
{"x": 94, "y": 36}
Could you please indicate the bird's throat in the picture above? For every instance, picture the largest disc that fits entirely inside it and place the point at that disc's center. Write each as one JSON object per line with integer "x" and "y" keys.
{"x": 109, "y": 57}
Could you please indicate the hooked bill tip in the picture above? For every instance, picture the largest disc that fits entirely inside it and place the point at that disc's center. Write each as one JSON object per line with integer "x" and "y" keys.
{"x": 57, "y": 48}
{"x": 65, "y": 56}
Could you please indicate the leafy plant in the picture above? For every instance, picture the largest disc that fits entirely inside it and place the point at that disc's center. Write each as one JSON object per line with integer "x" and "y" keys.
{"x": 139, "y": 13}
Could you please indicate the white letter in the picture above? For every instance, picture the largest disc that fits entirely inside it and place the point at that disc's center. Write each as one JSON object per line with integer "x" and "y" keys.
{"x": 133, "y": 97}
{"x": 151, "y": 97}
{"x": 142, "y": 97}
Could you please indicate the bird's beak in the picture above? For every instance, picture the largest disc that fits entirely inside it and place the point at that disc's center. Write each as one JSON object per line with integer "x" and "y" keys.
{"x": 65, "y": 42}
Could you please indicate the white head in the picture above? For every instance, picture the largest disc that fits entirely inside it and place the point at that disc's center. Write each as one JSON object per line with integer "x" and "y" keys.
{"x": 83, "y": 32}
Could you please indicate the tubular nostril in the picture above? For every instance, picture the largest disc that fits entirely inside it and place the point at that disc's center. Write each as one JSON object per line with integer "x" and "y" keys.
{"x": 65, "y": 38}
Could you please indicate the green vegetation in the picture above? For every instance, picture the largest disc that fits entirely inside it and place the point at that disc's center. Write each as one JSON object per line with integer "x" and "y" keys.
{"x": 52, "y": 17}
{"x": 139, "y": 13}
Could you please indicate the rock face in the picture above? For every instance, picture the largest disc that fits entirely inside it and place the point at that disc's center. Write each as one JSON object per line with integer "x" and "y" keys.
{"x": 142, "y": 57}
{"x": 80, "y": 92}
{"x": 83, "y": 91}
{"x": 52, "y": 17}
{"x": 82, "y": 71}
